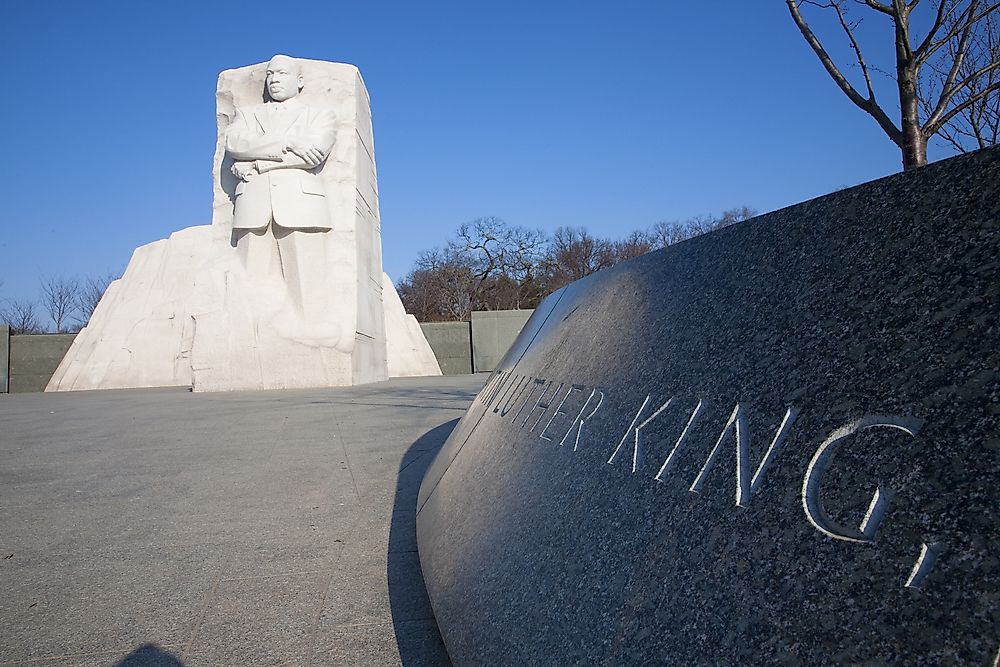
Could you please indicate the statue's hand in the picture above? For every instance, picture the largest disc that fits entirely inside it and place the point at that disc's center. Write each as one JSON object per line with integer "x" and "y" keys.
{"x": 311, "y": 156}
{"x": 243, "y": 170}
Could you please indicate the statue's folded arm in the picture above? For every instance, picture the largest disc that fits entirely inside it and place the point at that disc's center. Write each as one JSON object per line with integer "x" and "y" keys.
{"x": 243, "y": 144}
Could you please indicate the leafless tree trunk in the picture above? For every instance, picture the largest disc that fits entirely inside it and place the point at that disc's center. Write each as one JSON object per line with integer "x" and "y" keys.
{"x": 59, "y": 298}
{"x": 926, "y": 107}
{"x": 20, "y": 316}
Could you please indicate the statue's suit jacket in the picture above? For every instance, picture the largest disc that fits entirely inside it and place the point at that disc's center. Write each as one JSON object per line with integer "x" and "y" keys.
{"x": 287, "y": 190}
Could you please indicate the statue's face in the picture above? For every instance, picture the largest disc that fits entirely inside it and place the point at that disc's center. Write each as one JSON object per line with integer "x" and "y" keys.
{"x": 284, "y": 78}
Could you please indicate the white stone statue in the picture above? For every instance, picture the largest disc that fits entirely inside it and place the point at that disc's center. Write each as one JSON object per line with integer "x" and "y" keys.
{"x": 285, "y": 287}
{"x": 278, "y": 149}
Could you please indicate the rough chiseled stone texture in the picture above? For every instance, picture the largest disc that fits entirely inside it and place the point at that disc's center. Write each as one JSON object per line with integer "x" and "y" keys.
{"x": 878, "y": 302}
{"x": 407, "y": 350}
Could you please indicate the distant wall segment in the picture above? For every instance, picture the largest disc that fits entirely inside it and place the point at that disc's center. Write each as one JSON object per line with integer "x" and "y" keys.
{"x": 493, "y": 331}
{"x": 32, "y": 360}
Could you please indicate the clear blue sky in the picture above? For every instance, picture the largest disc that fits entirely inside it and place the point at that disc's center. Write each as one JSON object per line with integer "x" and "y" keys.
{"x": 607, "y": 115}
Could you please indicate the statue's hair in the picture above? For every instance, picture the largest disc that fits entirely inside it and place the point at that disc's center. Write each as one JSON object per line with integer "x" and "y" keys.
{"x": 282, "y": 55}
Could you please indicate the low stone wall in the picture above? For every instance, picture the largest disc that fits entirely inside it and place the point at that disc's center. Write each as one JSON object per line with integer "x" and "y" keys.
{"x": 452, "y": 345}
{"x": 493, "y": 332}
{"x": 33, "y": 360}
{"x": 28, "y": 361}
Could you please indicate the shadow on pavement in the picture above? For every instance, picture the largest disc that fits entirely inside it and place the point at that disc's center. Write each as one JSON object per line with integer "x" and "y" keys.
{"x": 149, "y": 655}
{"x": 417, "y": 634}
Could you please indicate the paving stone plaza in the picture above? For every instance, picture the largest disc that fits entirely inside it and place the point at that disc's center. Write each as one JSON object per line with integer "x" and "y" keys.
{"x": 161, "y": 527}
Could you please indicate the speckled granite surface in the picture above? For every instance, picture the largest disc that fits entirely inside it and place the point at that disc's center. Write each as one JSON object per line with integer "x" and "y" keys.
{"x": 774, "y": 444}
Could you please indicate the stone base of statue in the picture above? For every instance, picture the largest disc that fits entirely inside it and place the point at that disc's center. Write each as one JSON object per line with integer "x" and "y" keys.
{"x": 301, "y": 308}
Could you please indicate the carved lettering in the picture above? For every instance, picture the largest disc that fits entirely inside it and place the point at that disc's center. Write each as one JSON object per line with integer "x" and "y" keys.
{"x": 634, "y": 429}
{"x": 642, "y": 407}
{"x": 541, "y": 404}
{"x": 502, "y": 391}
{"x": 813, "y": 505}
{"x": 572, "y": 388}
{"x": 746, "y": 485}
{"x": 925, "y": 563}
{"x": 513, "y": 390}
{"x": 495, "y": 385}
{"x": 670, "y": 457}
{"x": 539, "y": 382}
{"x": 581, "y": 420}
{"x": 506, "y": 389}
{"x": 525, "y": 385}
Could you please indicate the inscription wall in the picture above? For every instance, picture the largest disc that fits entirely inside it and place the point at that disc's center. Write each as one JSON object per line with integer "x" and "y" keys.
{"x": 777, "y": 443}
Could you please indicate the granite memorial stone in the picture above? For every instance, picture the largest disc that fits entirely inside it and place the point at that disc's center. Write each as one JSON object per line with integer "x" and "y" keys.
{"x": 778, "y": 443}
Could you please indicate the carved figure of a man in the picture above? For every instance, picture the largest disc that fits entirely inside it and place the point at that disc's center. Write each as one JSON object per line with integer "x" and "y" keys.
{"x": 278, "y": 149}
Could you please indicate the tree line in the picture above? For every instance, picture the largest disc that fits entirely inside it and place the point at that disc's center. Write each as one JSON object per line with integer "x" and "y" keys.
{"x": 64, "y": 305}
{"x": 490, "y": 264}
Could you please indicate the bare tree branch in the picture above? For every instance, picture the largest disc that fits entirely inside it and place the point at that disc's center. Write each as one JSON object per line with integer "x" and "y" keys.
{"x": 957, "y": 27}
{"x": 870, "y": 106}
{"x": 948, "y": 89}
{"x": 968, "y": 93}
{"x": 901, "y": 23}
{"x": 857, "y": 49}
{"x": 878, "y": 6}
{"x": 938, "y": 22}
{"x": 447, "y": 284}
{"x": 937, "y": 119}
{"x": 966, "y": 104}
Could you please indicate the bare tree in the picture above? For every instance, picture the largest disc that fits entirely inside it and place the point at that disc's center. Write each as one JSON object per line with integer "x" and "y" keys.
{"x": 20, "y": 316}
{"x": 500, "y": 256}
{"x": 442, "y": 286}
{"x": 735, "y": 215}
{"x": 701, "y": 224}
{"x": 635, "y": 244}
{"x": 574, "y": 254}
{"x": 487, "y": 265}
{"x": 417, "y": 296}
{"x": 92, "y": 289}
{"x": 665, "y": 234}
{"x": 59, "y": 298}
{"x": 962, "y": 76}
